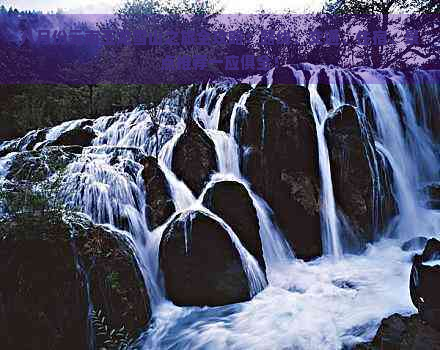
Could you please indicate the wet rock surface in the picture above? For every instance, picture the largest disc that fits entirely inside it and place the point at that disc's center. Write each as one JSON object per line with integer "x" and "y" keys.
{"x": 417, "y": 243}
{"x": 200, "y": 263}
{"x": 432, "y": 192}
{"x": 398, "y": 332}
{"x": 194, "y": 158}
{"x": 231, "y": 201}
{"x": 78, "y": 137}
{"x": 425, "y": 283}
{"x": 231, "y": 98}
{"x": 351, "y": 151}
{"x": 160, "y": 204}
{"x": 280, "y": 159}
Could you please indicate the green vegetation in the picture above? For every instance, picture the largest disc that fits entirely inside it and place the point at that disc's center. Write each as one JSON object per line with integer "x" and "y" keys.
{"x": 113, "y": 339}
{"x": 34, "y": 185}
{"x": 113, "y": 280}
{"x": 27, "y": 107}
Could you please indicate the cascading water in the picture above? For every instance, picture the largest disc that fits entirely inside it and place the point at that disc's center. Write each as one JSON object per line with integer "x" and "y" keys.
{"x": 324, "y": 304}
{"x": 275, "y": 247}
{"x": 331, "y": 226}
{"x": 399, "y": 135}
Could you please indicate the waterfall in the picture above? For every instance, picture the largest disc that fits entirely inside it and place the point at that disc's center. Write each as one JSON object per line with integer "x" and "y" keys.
{"x": 324, "y": 304}
{"x": 330, "y": 222}
{"x": 407, "y": 146}
{"x": 182, "y": 196}
{"x": 227, "y": 152}
{"x": 399, "y": 135}
{"x": 107, "y": 195}
{"x": 276, "y": 250}
{"x": 239, "y": 106}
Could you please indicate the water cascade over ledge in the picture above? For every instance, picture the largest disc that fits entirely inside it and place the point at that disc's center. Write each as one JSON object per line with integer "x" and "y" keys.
{"x": 311, "y": 177}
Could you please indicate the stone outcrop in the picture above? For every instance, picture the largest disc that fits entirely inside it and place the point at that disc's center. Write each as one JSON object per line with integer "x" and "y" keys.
{"x": 200, "y": 263}
{"x": 160, "y": 204}
{"x": 194, "y": 157}
{"x": 231, "y": 201}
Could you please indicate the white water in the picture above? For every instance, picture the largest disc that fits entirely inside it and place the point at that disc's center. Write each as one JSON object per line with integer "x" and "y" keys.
{"x": 329, "y": 219}
{"x": 432, "y": 263}
{"x": 319, "y": 305}
{"x": 411, "y": 152}
{"x": 275, "y": 247}
{"x": 324, "y": 304}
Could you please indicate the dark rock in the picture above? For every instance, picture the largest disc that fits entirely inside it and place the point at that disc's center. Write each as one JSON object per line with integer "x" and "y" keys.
{"x": 200, "y": 263}
{"x": 191, "y": 94}
{"x": 281, "y": 162}
{"x": 351, "y": 147}
{"x": 283, "y": 75}
{"x": 231, "y": 98}
{"x": 160, "y": 204}
{"x": 75, "y": 137}
{"x": 231, "y": 201}
{"x": 398, "y": 332}
{"x": 432, "y": 250}
{"x": 324, "y": 88}
{"x": 432, "y": 191}
{"x": 417, "y": 243}
{"x": 425, "y": 284}
{"x": 7, "y": 147}
{"x": 194, "y": 157}
{"x": 46, "y": 264}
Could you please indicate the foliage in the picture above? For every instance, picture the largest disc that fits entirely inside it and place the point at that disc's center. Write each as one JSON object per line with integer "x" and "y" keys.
{"x": 113, "y": 280}
{"x": 34, "y": 194}
{"x": 29, "y": 107}
{"x": 112, "y": 339}
{"x": 378, "y": 15}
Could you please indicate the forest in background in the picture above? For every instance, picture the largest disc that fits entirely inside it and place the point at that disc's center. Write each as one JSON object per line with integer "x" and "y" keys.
{"x": 25, "y": 107}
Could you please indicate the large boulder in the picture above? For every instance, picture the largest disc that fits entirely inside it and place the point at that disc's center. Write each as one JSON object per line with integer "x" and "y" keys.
{"x": 351, "y": 151}
{"x": 425, "y": 283}
{"x": 60, "y": 277}
{"x": 194, "y": 157}
{"x": 160, "y": 204}
{"x": 231, "y": 201}
{"x": 78, "y": 136}
{"x": 280, "y": 159}
{"x": 200, "y": 263}
{"x": 398, "y": 332}
{"x": 283, "y": 75}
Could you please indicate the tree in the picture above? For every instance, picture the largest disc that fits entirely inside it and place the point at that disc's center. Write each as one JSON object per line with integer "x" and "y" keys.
{"x": 383, "y": 15}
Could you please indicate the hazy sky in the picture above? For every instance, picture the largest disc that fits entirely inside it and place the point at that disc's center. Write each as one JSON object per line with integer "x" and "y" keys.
{"x": 107, "y": 6}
